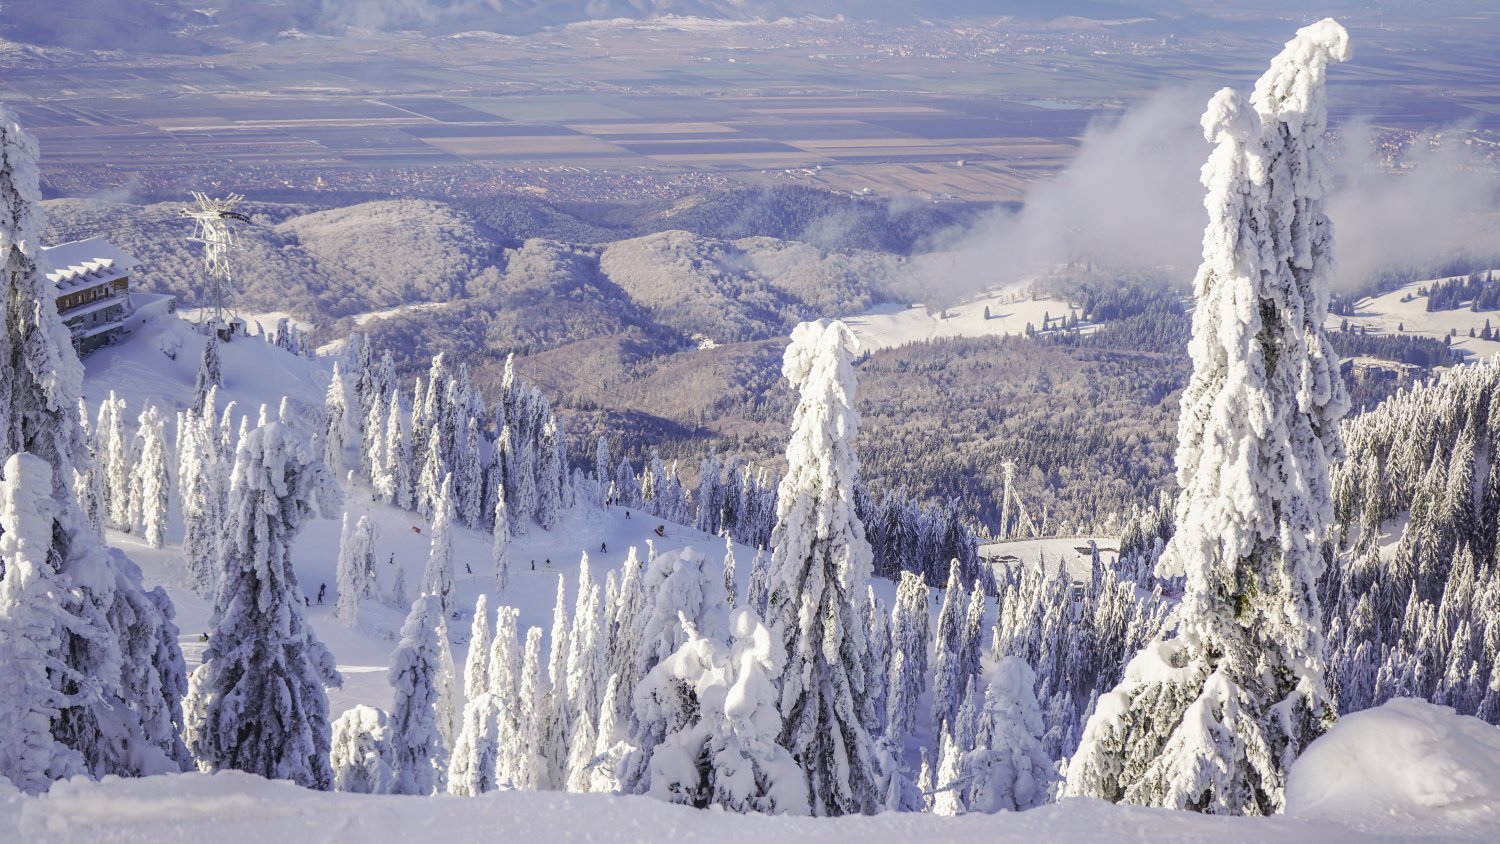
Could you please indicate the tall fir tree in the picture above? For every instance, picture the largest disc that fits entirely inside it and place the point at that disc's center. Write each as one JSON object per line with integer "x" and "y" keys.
{"x": 818, "y": 574}
{"x": 156, "y": 481}
{"x": 419, "y": 757}
{"x": 116, "y": 669}
{"x": 437, "y": 578}
{"x": 210, "y": 372}
{"x": 1211, "y": 720}
{"x": 398, "y": 457}
{"x": 335, "y": 422}
{"x": 259, "y": 695}
{"x": 500, "y": 545}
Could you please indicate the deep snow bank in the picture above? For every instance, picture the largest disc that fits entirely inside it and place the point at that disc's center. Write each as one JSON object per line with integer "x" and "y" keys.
{"x": 232, "y": 807}
{"x": 1406, "y": 761}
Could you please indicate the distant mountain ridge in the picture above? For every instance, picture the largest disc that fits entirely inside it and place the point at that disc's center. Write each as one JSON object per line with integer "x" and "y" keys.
{"x": 193, "y": 26}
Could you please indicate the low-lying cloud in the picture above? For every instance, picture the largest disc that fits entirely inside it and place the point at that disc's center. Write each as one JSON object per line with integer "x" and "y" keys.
{"x": 1131, "y": 200}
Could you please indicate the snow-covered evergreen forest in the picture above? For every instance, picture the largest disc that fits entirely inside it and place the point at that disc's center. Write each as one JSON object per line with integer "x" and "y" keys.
{"x": 226, "y": 564}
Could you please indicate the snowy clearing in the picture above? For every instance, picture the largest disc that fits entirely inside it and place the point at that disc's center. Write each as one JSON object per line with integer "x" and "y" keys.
{"x": 1011, "y": 310}
{"x": 1386, "y": 313}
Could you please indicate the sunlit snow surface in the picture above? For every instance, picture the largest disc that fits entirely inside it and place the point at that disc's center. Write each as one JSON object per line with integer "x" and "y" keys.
{"x": 1408, "y": 771}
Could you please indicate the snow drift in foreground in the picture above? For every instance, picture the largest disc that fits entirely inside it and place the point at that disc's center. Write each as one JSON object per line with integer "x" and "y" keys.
{"x": 1407, "y": 759}
{"x": 1406, "y": 771}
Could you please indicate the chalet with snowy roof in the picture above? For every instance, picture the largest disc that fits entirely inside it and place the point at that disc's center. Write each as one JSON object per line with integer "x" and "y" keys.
{"x": 93, "y": 289}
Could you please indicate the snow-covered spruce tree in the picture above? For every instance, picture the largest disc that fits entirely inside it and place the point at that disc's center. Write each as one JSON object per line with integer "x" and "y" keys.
{"x": 210, "y": 373}
{"x": 549, "y": 478}
{"x": 710, "y": 496}
{"x": 354, "y": 573}
{"x": 32, "y": 626}
{"x": 437, "y": 578}
{"x": 472, "y": 766}
{"x": 372, "y": 445}
{"x": 419, "y": 756}
{"x": 819, "y": 570}
{"x": 948, "y": 679}
{"x": 624, "y": 616}
{"x": 198, "y": 485}
{"x": 335, "y": 421}
{"x": 601, "y": 468}
{"x": 521, "y": 757}
{"x": 156, "y": 482}
{"x": 434, "y": 470}
{"x": 1211, "y": 720}
{"x": 609, "y": 743}
{"x": 586, "y": 675}
{"x": 907, "y": 674}
{"x": 500, "y": 547}
{"x": 1009, "y": 771}
{"x": 751, "y": 772}
{"x": 731, "y": 591}
{"x": 361, "y": 751}
{"x": 757, "y": 591}
{"x": 88, "y": 477}
{"x": 397, "y": 454}
{"x": 259, "y": 693}
{"x": 877, "y": 661}
{"x": 477, "y": 663}
{"x": 505, "y": 681}
{"x": 116, "y": 461}
{"x": 557, "y": 717}
{"x": 117, "y": 669}
{"x": 948, "y": 795}
{"x": 675, "y": 585}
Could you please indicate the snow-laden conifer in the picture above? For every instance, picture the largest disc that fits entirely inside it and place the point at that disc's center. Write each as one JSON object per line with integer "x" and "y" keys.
{"x": 198, "y": 486}
{"x": 500, "y": 544}
{"x": 757, "y": 591}
{"x": 505, "y": 681}
{"x": 117, "y": 666}
{"x": 397, "y": 475}
{"x": 550, "y": 469}
{"x": 32, "y": 626}
{"x": 523, "y": 755}
{"x": 477, "y": 663}
{"x": 260, "y": 690}
{"x": 372, "y": 445}
{"x": 210, "y": 373}
{"x": 361, "y": 751}
{"x": 354, "y": 573}
{"x": 731, "y": 589}
{"x": 907, "y": 678}
{"x": 437, "y": 578}
{"x": 1212, "y": 719}
{"x": 335, "y": 422}
{"x": 818, "y": 574}
{"x": 472, "y": 765}
{"x": 419, "y": 756}
{"x": 1009, "y": 771}
{"x": 88, "y": 476}
{"x": 434, "y": 471}
{"x": 557, "y": 721}
{"x": 751, "y": 771}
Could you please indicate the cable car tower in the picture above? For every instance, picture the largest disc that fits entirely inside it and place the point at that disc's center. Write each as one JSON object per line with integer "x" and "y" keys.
{"x": 211, "y": 218}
